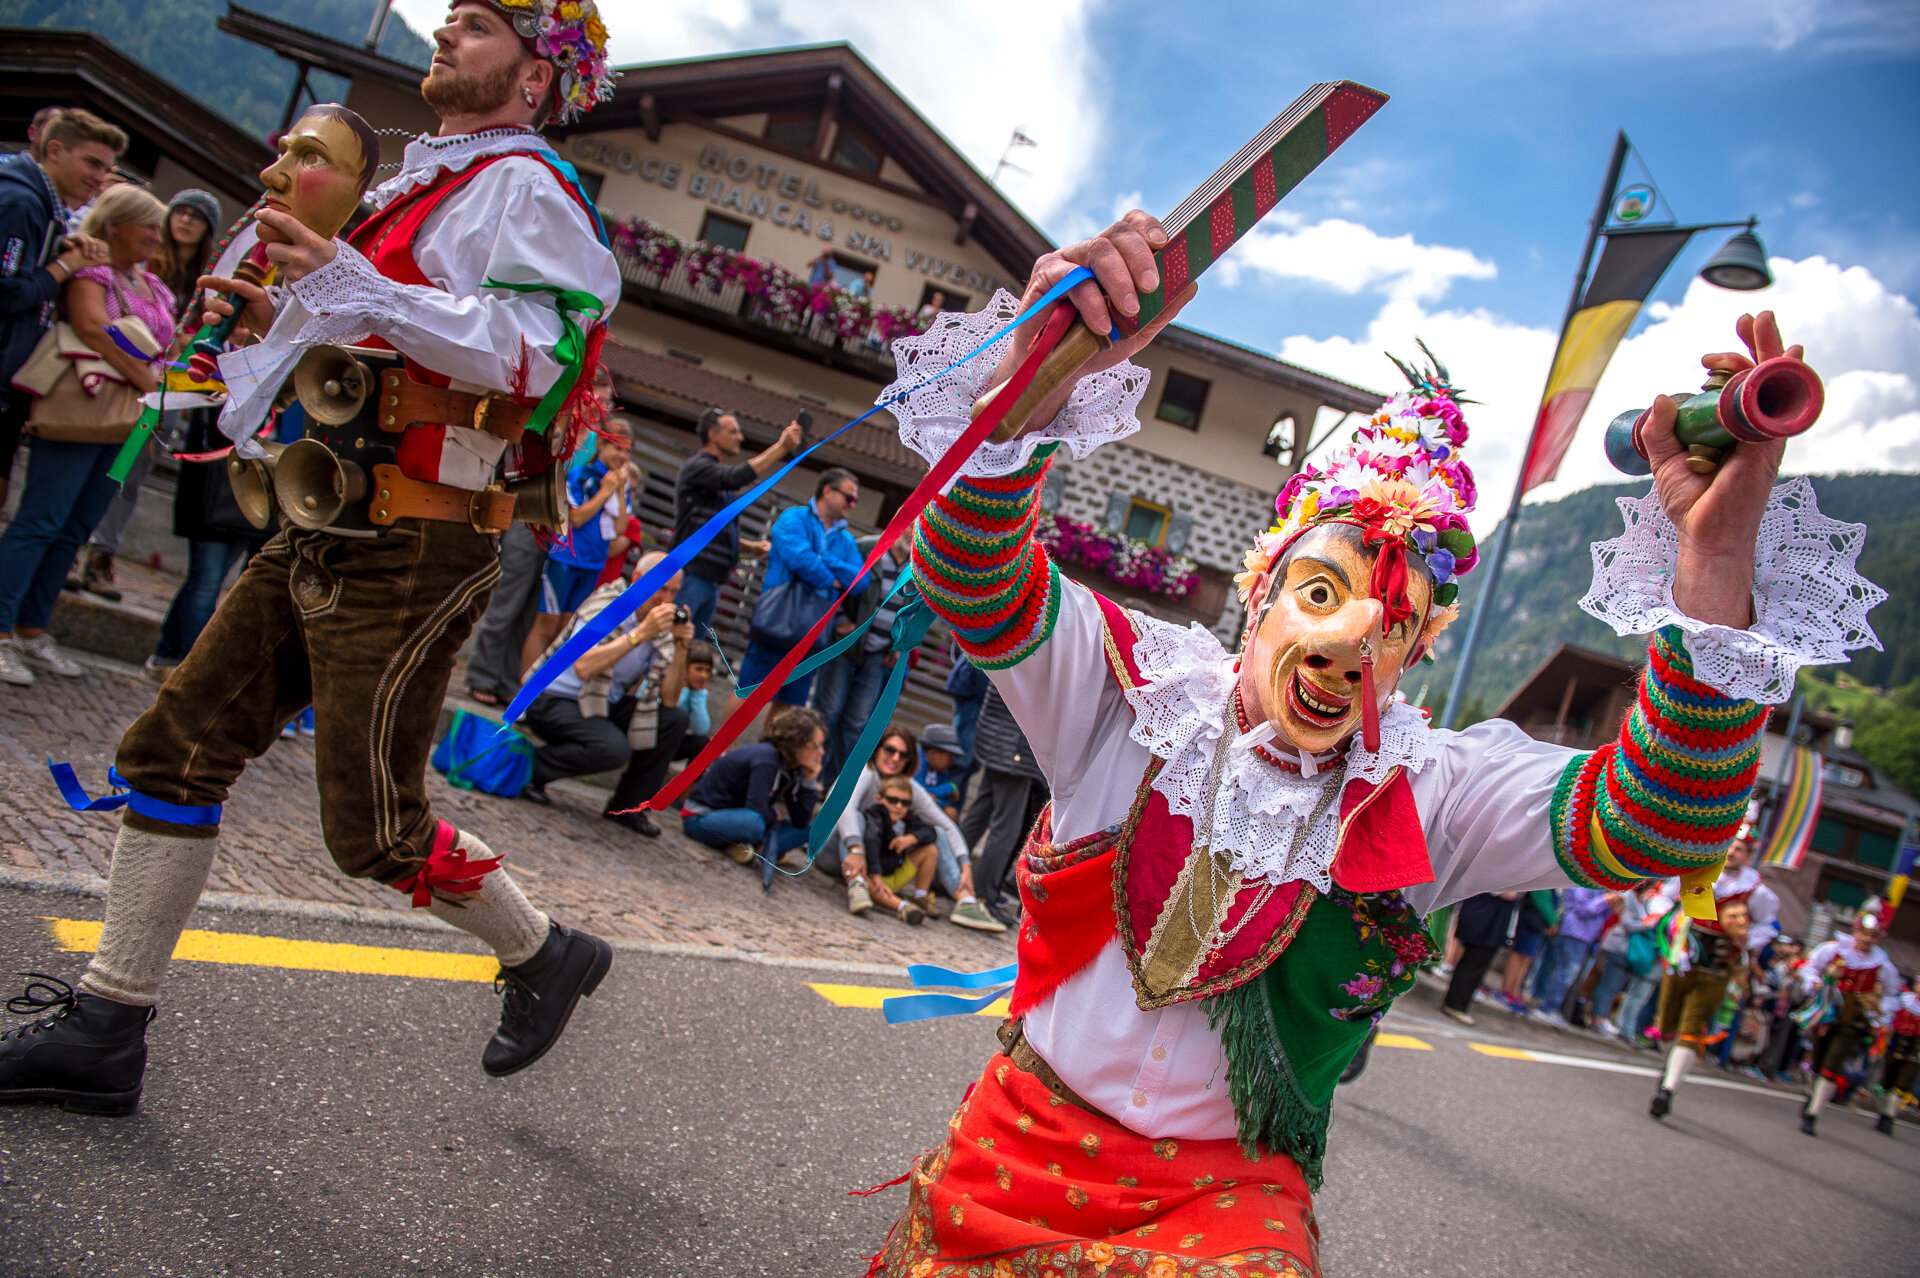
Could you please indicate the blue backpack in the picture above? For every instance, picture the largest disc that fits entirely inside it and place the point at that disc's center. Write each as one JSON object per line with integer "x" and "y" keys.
{"x": 476, "y": 754}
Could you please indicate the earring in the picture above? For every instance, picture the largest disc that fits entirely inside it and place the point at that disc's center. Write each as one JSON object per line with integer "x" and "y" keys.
{"x": 528, "y": 95}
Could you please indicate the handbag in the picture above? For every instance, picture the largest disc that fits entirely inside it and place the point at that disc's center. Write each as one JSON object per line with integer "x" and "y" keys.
{"x": 476, "y": 754}
{"x": 50, "y": 359}
{"x": 1643, "y": 956}
{"x": 89, "y": 403}
{"x": 784, "y": 615}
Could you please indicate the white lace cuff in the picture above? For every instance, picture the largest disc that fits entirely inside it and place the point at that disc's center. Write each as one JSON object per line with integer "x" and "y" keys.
{"x": 932, "y": 417}
{"x": 1809, "y": 604}
{"x": 344, "y": 297}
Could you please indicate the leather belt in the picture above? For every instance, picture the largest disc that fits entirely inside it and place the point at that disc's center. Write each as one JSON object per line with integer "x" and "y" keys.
{"x": 395, "y": 497}
{"x": 1013, "y": 1038}
{"x": 405, "y": 402}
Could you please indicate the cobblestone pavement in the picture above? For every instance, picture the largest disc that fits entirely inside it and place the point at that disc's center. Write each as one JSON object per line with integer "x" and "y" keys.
{"x": 583, "y": 869}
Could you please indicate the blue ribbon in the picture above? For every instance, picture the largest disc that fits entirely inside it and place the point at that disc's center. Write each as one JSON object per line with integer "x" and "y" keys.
{"x": 648, "y": 583}
{"x": 842, "y": 644}
{"x": 147, "y": 806}
{"x": 927, "y": 1007}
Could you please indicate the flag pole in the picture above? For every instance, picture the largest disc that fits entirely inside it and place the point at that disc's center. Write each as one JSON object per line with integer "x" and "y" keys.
{"x": 1450, "y": 716}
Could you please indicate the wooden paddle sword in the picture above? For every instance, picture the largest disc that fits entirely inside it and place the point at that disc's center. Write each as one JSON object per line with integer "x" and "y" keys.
{"x": 1209, "y": 221}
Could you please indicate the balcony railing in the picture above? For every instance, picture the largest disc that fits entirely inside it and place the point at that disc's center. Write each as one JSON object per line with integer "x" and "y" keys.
{"x": 758, "y": 299}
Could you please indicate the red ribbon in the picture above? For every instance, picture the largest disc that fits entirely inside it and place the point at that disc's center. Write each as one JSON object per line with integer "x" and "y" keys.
{"x": 1389, "y": 582}
{"x": 943, "y": 471}
{"x": 447, "y": 869}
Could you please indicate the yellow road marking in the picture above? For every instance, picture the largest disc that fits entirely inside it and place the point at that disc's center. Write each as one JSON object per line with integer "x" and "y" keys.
{"x": 1504, "y": 1053}
{"x": 1402, "y": 1040}
{"x": 871, "y": 996}
{"x": 305, "y": 956}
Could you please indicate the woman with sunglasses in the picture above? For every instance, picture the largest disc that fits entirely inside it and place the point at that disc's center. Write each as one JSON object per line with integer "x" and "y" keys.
{"x": 898, "y": 755}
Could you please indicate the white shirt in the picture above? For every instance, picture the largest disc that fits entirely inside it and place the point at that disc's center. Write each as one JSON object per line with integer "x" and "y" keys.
{"x": 1842, "y": 947}
{"x": 1763, "y": 904}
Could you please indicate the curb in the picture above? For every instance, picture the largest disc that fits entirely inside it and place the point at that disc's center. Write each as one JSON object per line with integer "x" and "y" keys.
{"x": 73, "y": 883}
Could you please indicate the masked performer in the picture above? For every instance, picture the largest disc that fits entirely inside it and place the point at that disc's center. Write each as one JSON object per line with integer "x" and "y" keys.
{"x": 1903, "y": 1058}
{"x": 1717, "y": 951}
{"x": 1855, "y": 989}
{"x": 472, "y": 268}
{"x": 1227, "y": 890}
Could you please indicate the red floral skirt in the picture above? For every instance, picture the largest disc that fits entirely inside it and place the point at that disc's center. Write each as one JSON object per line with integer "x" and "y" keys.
{"x": 1029, "y": 1185}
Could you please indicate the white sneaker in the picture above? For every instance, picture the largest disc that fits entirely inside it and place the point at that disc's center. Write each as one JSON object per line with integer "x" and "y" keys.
{"x": 157, "y": 669}
{"x": 859, "y": 900}
{"x": 1607, "y": 1027}
{"x": 1552, "y": 1018}
{"x": 41, "y": 651}
{"x": 12, "y": 668}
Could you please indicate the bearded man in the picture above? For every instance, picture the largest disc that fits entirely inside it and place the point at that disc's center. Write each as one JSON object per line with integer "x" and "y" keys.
{"x": 470, "y": 271}
{"x": 1226, "y": 892}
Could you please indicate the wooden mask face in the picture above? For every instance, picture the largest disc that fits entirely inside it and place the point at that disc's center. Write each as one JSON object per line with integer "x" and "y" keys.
{"x": 320, "y": 174}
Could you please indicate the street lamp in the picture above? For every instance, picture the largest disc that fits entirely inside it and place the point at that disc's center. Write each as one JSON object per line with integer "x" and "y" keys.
{"x": 1741, "y": 264}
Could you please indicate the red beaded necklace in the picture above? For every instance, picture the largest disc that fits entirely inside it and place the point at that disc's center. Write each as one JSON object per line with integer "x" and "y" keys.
{"x": 1286, "y": 763}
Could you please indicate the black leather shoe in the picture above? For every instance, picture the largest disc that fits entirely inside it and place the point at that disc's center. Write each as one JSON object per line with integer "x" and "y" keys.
{"x": 540, "y": 997}
{"x": 635, "y": 821}
{"x": 1885, "y": 1125}
{"x": 1005, "y": 911}
{"x": 85, "y": 1052}
{"x": 534, "y": 792}
{"x": 1358, "y": 1065}
{"x": 1806, "y": 1123}
{"x": 1662, "y": 1103}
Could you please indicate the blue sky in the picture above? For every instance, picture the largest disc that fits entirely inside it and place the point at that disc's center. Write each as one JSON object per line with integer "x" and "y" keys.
{"x": 1457, "y": 214}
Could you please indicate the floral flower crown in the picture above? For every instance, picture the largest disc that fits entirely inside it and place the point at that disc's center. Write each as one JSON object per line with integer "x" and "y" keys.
{"x": 1403, "y": 482}
{"x": 569, "y": 34}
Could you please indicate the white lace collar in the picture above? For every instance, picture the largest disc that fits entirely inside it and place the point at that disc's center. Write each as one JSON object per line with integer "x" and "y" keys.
{"x": 1179, "y": 713}
{"x": 427, "y": 155}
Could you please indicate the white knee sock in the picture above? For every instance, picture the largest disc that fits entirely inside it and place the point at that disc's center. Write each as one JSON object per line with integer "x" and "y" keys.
{"x": 1890, "y": 1103}
{"x": 1823, "y": 1090}
{"x": 1679, "y": 1061}
{"x": 152, "y": 887}
{"x": 499, "y": 913}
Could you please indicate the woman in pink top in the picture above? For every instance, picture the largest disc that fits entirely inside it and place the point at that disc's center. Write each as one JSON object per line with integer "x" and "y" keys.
{"x": 67, "y": 488}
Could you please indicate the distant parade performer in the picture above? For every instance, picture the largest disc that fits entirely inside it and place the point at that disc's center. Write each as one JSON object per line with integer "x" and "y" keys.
{"x": 1855, "y": 989}
{"x": 1902, "y": 1059}
{"x": 481, "y": 265}
{"x": 1716, "y": 953}
{"x": 1226, "y": 892}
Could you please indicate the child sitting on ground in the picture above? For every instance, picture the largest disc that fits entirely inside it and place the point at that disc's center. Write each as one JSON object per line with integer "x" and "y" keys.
{"x": 940, "y": 769}
{"x": 901, "y": 854}
{"x": 693, "y": 694}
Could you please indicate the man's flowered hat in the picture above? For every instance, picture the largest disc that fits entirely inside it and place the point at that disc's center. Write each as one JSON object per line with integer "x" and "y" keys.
{"x": 569, "y": 34}
{"x": 1403, "y": 482}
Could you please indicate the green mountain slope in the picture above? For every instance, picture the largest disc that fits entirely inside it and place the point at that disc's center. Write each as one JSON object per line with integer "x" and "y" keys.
{"x": 1550, "y": 567}
{"x": 179, "y": 40}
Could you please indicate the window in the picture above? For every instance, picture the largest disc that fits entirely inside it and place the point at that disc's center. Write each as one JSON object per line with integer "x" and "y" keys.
{"x": 942, "y": 299}
{"x": 723, "y": 232}
{"x": 1281, "y": 436}
{"x": 793, "y": 128}
{"x": 850, "y": 272}
{"x": 590, "y": 184}
{"x": 1146, "y": 522}
{"x": 1846, "y": 895}
{"x": 1828, "y": 836}
{"x": 852, "y": 149}
{"x": 1182, "y": 400}
{"x": 1875, "y": 849}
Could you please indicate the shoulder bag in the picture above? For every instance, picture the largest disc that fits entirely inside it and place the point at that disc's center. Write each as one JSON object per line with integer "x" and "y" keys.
{"x": 89, "y": 403}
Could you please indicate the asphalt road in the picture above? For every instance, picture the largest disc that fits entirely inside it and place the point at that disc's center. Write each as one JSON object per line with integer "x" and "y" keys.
{"x": 705, "y": 1117}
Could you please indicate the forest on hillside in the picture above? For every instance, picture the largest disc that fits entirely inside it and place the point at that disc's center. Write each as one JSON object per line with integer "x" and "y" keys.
{"x": 179, "y": 40}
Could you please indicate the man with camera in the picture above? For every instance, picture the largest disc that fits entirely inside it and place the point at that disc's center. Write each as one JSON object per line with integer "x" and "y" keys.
{"x": 710, "y": 479}
{"x": 617, "y": 706}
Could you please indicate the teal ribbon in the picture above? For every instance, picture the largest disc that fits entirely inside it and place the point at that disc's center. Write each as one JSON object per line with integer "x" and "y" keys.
{"x": 905, "y": 1008}
{"x": 568, "y": 352}
{"x": 841, "y": 645}
{"x": 910, "y": 626}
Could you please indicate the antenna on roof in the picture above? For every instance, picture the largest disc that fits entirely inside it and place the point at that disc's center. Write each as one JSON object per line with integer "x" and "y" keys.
{"x": 378, "y": 27}
{"x": 1018, "y": 140}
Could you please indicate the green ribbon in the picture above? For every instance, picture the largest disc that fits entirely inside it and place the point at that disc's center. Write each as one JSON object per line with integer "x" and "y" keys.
{"x": 137, "y": 440}
{"x": 568, "y": 352}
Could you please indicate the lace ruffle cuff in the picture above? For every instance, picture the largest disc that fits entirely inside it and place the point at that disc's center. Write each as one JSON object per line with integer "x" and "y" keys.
{"x": 345, "y": 298}
{"x": 1102, "y": 408}
{"x": 1809, "y": 604}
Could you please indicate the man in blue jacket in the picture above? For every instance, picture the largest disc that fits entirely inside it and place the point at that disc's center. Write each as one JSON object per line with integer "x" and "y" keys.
{"x": 811, "y": 545}
{"x": 37, "y": 256}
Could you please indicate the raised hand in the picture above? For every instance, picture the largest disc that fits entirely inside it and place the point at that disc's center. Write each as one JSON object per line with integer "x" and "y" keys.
{"x": 1718, "y": 515}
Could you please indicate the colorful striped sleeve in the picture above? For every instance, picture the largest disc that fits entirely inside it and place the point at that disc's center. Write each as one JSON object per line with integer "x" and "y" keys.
{"x": 983, "y": 571}
{"x": 1668, "y": 795}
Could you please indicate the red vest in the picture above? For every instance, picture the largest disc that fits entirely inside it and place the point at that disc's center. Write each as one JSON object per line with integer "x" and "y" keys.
{"x": 1087, "y": 892}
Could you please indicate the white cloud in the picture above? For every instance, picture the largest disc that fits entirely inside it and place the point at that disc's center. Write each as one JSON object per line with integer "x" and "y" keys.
{"x": 1348, "y": 258}
{"x": 1863, "y": 339}
{"x": 1700, "y": 26}
{"x": 978, "y": 69}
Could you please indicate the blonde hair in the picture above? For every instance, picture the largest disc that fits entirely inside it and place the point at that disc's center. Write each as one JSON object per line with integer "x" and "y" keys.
{"x": 122, "y": 203}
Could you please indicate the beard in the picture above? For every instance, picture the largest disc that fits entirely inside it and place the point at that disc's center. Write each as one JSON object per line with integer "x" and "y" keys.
{"x": 451, "y": 92}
